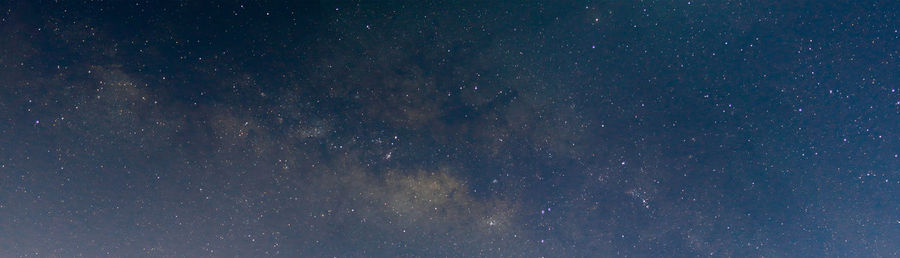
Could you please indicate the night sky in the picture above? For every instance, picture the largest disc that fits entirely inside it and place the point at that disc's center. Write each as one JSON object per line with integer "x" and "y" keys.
{"x": 443, "y": 129}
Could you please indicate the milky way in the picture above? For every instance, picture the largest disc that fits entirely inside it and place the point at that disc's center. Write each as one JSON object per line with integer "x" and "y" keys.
{"x": 634, "y": 128}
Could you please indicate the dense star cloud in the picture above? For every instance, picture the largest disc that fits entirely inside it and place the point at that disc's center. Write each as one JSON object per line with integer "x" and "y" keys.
{"x": 635, "y": 128}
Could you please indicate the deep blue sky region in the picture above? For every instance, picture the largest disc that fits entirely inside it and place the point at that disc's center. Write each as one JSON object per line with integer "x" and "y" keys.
{"x": 450, "y": 129}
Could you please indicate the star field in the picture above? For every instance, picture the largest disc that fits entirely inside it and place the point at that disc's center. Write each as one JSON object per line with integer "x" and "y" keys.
{"x": 446, "y": 129}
